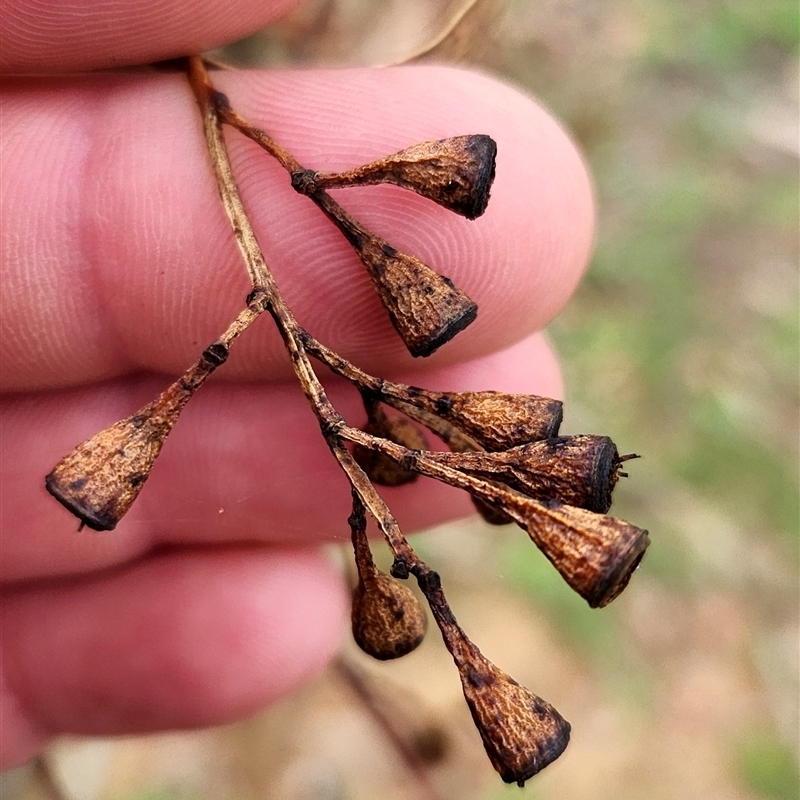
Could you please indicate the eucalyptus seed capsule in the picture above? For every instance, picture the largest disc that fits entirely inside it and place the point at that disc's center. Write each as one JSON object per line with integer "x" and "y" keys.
{"x": 388, "y": 620}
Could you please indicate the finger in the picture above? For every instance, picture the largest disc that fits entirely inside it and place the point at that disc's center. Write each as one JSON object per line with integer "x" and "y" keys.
{"x": 176, "y": 641}
{"x": 244, "y": 463}
{"x": 117, "y": 257}
{"x": 46, "y": 35}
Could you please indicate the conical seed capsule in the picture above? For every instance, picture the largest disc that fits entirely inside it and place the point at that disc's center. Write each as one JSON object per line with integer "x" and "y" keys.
{"x": 521, "y": 733}
{"x": 426, "y": 309}
{"x": 388, "y": 620}
{"x": 381, "y": 469}
{"x": 578, "y": 470}
{"x": 499, "y": 421}
{"x": 495, "y": 420}
{"x": 456, "y": 173}
{"x": 100, "y": 479}
{"x": 595, "y": 554}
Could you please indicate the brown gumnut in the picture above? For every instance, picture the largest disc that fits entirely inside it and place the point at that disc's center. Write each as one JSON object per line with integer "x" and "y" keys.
{"x": 494, "y": 420}
{"x": 456, "y": 173}
{"x": 381, "y": 469}
{"x": 388, "y": 620}
{"x": 595, "y": 554}
{"x": 577, "y": 470}
{"x": 426, "y": 309}
{"x": 100, "y": 479}
{"x": 521, "y": 733}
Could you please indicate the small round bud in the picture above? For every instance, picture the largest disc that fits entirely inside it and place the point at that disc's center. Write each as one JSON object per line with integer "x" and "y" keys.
{"x": 380, "y": 468}
{"x": 490, "y": 513}
{"x": 388, "y": 620}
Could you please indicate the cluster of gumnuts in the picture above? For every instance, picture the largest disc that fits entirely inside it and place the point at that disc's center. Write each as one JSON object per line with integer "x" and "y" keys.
{"x": 504, "y": 449}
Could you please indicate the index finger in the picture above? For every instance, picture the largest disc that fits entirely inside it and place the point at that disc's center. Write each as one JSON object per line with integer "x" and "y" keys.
{"x": 117, "y": 257}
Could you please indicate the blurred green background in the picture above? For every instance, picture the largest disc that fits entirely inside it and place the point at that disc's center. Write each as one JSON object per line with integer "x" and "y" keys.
{"x": 682, "y": 343}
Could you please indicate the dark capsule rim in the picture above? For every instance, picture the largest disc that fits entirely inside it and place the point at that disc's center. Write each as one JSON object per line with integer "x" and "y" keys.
{"x": 95, "y": 520}
{"x": 444, "y": 334}
{"x": 615, "y": 582}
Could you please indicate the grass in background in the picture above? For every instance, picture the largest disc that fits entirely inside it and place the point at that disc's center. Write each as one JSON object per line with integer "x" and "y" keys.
{"x": 682, "y": 341}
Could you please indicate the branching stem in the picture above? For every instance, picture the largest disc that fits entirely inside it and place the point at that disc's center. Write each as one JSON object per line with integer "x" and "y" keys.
{"x": 331, "y": 422}
{"x": 558, "y": 492}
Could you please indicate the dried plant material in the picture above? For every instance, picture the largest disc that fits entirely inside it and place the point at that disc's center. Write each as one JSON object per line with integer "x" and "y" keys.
{"x": 388, "y": 621}
{"x": 521, "y": 733}
{"x": 505, "y": 447}
{"x": 578, "y": 470}
{"x": 456, "y": 173}
{"x": 464, "y": 420}
{"x": 379, "y": 468}
{"x": 393, "y": 393}
{"x": 496, "y": 421}
{"x": 516, "y": 417}
{"x": 426, "y": 309}
{"x": 491, "y": 513}
{"x": 99, "y": 480}
{"x": 499, "y": 421}
{"x": 595, "y": 554}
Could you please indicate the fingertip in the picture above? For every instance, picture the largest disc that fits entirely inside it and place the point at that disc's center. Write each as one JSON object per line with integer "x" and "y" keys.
{"x": 154, "y": 274}
{"x": 529, "y": 366}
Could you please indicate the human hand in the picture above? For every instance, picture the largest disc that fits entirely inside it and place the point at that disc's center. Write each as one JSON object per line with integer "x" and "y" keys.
{"x": 118, "y": 266}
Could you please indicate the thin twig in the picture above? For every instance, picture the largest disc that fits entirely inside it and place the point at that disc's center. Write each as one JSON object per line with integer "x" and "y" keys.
{"x": 360, "y": 686}
{"x": 330, "y": 421}
{"x": 391, "y": 393}
{"x": 47, "y": 779}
